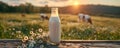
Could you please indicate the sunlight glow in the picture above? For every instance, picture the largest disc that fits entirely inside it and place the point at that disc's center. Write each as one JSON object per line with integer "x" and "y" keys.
{"x": 76, "y": 3}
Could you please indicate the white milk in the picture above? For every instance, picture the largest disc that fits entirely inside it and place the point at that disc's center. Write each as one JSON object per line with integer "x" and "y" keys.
{"x": 54, "y": 26}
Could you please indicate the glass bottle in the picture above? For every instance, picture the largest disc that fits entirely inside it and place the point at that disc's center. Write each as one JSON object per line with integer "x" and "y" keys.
{"x": 54, "y": 26}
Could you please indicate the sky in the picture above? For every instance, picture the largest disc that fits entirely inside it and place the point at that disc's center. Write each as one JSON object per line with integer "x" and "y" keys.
{"x": 63, "y": 2}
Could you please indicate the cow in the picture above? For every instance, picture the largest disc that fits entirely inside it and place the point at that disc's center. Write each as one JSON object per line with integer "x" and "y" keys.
{"x": 43, "y": 16}
{"x": 23, "y": 15}
{"x": 85, "y": 18}
{"x": 80, "y": 16}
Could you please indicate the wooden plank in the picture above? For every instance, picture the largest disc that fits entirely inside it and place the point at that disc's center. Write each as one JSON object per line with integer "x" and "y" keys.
{"x": 90, "y": 41}
{"x": 69, "y": 41}
{"x": 10, "y": 40}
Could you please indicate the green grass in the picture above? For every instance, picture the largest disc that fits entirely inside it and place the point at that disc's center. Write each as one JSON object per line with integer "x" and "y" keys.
{"x": 104, "y": 28}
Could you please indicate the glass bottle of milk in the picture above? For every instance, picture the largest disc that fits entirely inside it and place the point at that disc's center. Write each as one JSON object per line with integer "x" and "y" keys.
{"x": 54, "y": 26}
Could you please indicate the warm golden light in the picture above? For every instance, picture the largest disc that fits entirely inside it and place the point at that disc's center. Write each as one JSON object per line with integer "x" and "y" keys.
{"x": 76, "y": 3}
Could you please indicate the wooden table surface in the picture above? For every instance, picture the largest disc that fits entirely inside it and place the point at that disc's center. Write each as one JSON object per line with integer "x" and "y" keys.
{"x": 14, "y": 43}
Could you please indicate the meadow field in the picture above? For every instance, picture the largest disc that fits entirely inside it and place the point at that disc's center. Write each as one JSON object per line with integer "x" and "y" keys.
{"x": 14, "y": 26}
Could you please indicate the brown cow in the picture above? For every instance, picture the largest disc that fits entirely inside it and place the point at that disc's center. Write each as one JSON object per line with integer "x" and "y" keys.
{"x": 23, "y": 15}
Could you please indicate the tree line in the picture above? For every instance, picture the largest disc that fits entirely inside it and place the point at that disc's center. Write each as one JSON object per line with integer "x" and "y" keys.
{"x": 23, "y": 8}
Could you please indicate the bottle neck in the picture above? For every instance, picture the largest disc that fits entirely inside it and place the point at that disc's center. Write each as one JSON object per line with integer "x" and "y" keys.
{"x": 54, "y": 12}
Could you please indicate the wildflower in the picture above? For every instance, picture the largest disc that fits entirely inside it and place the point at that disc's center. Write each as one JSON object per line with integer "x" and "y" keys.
{"x": 104, "y": 28}
{"x": 32, "y": 29}
{"x": 19, "y": 36}
{"x": 18, "y": 31}
{"x": 31, "y": 38}
{"x": 41, "y": 46}
{"x": 13, "y": 28}
{"x": 31, "y": 44}
{"x": 39, "y": 36}
{"x": 9, "y": 29}
{"x": 12, "y": 33}
{"x": 35, "y": 34}
{"x": 25, "y": 38}
{"x": 31, "y": 32}
{"x": 69, "y": 34}
{"x": 44, "y": 34}
{"x": 40, "y": 30}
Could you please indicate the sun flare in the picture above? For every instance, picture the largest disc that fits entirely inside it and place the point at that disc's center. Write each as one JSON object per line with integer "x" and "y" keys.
{"x": 76, "y": 3}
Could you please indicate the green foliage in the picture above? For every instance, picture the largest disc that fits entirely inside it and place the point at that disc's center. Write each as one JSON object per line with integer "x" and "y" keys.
{"x": 23, "y": 8}
{"x": 1, "y": 31}
{"x": 45, "y": 9}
